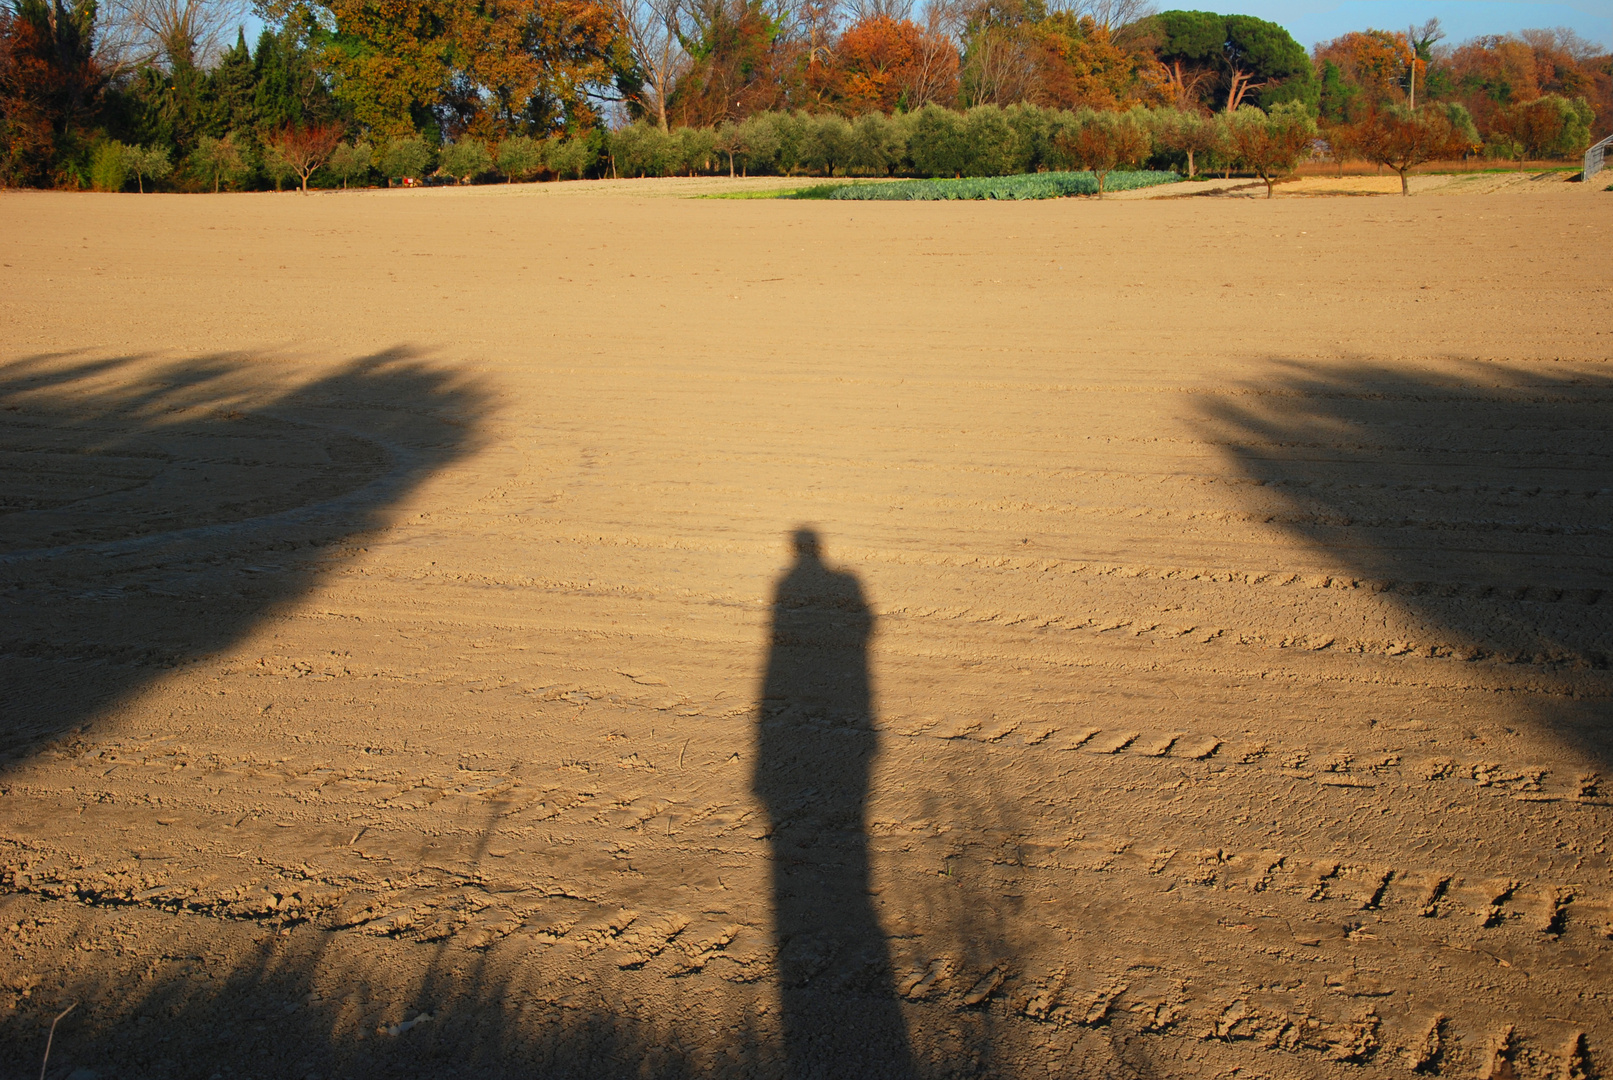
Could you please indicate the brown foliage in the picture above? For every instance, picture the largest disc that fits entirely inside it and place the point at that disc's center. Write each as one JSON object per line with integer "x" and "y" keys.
{"x": 1400, "y": 138}
{"x": 1374, "y": 60}
{"x": 742, "y": 67}
{"x": 1104, "y": 141}
{"x": 883, "y": 63}
{"x": 487, "y": 62}
{"x": 306, "y": 148}
{"x": 50, "y": 83}
{"x": 1269, "y": 144}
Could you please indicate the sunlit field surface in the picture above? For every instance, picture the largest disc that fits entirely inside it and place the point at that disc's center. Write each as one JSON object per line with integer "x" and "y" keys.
{"x": 580, "y": 630}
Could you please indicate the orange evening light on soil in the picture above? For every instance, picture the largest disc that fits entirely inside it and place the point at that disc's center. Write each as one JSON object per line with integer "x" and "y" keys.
{"x": 1110, "y": 577}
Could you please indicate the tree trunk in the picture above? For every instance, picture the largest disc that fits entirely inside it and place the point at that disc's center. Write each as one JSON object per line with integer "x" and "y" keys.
{"x": 1405, "y": 186}
{"x": 1190, "y": 164}
{"x": 730, "y": 165}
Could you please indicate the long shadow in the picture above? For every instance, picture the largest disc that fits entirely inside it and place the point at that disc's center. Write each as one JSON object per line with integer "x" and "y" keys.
{"x": 1479, "y": 503}
{"x": 152, "y": 512}
{"x": 816, "y": 747}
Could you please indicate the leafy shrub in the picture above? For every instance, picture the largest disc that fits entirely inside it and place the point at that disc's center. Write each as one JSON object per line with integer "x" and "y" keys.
{"x": 147, "y": 163}
{"x": 409, "y": 157}
{"x": 570, "y": 158}
{"x": 109, "y": 168}
{"x": 217, "y": 159}
{"x": 693, "y": 148}
{"x": 351, "y": 161}
{"x": 828, "y": 144}
{"x": 878, "y": 143}
{"x": 465, "y": 160}
{"x": 759, "y": 143}
{"x": 1048, "y": 185}
{"x": 1034, "y": 128}
{"x": 642, "y": 149}
{"x": 519, "y": 157}
{"x": 993, "y": 144}
{"x": 938, "y": 146}
{"x": 1105, "y": 141}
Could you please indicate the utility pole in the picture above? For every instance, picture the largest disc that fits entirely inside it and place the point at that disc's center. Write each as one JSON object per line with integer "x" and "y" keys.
{"x": 1411, "y": 39}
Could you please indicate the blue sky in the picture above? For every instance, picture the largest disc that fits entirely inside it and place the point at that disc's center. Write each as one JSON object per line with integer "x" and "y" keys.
{"x": 1311, "y": 21}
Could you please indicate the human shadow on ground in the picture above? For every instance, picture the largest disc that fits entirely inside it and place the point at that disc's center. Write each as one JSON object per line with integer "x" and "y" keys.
{"x": 1478, "y": 501}
{"x": 816, "y": 748}
{"x": 153, "y": 511}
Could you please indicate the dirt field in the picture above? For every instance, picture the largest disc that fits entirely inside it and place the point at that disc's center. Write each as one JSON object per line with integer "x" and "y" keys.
{"x": 567, "y": 631}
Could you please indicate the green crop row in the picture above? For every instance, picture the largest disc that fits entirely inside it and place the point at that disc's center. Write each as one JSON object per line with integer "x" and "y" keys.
{"x": 1047, "y": 185}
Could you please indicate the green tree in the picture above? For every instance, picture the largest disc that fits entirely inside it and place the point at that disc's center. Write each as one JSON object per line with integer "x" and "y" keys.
{"x": 828, "y": 143}
{"x": 352, "y": 161}
{"x": 1270, "y": 144}
{"x": 406, "y": 158}
{"x": 148, "y": 163}
{"x": 1033, "y": 134}
{"x": 1261, "y": 55}
{"x": 726, "y": 140}
{"x": 216, "y": 159}
{"x": 694, "y": 148}
{"x": 288, "y": 89}
{"x": 109, "y": 166}
{"x": 1550, "y": 126}
{"x": 1229, "y": 57}
{"x": 1337, "y": 98}
{"x": 1105, "y": 141}
{"x": 993, "y": 144}
{"x": 938, "y": 145}
{"x": 232, "y": 90}
{"x": 877, "y": 144}
{"x": 571, "y": 158}
{"x": 519, "y": 157}
{"x": 759, "y": 144}
{"x": 465, "y": 160}
{"x": 642, "y": 149}
{"x": 1184, "y": 131}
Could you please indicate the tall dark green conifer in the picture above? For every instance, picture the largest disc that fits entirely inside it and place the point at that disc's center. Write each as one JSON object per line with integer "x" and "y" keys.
{"x": 232, "y": 87}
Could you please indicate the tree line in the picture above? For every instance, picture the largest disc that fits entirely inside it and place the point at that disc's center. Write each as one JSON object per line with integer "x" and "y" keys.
{"x": 143, "y": 92}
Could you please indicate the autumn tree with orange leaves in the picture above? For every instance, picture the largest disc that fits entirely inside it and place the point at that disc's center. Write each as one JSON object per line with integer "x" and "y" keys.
{"x": 486, "y": 67}
{"x": 885, "y": 64}
{"x": 304, "y": 149}
{"x": 50, "y": 84}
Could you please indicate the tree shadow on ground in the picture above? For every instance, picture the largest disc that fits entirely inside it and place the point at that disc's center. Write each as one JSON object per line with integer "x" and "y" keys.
{"x": 1479, "y": 502}
{"x": 155, "y": 511}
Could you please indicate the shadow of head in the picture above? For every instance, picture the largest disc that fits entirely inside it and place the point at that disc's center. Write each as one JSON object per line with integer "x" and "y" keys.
{"x": 157, "y": 510}
{"x": 1476, "y": 504}
{"x": 806, "y": 544}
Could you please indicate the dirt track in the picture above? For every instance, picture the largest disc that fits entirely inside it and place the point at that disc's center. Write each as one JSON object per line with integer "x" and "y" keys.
{"x": 1202, "y": 670}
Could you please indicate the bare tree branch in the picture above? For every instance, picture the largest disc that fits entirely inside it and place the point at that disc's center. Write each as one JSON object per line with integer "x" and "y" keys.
{"x": 174, "y": 32}
{"x": 655, "y": 30}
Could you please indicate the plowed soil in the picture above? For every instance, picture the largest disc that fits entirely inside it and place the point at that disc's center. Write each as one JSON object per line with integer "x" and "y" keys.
{"x": 579, "y": 631}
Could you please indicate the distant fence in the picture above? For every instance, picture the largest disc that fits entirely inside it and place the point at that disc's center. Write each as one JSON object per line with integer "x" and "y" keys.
{"x": 1593, "y": 158}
